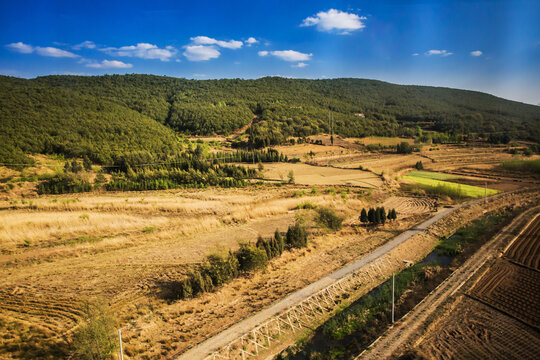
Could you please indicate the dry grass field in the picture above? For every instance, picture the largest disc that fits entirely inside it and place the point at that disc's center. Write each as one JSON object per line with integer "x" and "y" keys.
{"x": 130, "y": 248}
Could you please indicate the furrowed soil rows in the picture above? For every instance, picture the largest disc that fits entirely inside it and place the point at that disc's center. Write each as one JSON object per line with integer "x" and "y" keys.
{"x": 410, "y": 206}
{"x": 526, "y": 249}
{"x": 481, "y": 332}
{"x": 512, "y": 289}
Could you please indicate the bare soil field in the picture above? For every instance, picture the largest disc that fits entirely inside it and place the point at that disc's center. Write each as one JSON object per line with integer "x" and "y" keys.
{"x": 525, "y": 249}
{"x": 511, "y": 289}
{"x": 499, "y": 318}
{"x": 481, "y": 332}
{"x": 319, "y": 175}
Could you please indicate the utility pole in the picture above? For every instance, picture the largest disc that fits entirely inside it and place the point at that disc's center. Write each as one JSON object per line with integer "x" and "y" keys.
{"x": 393, "y": 286}
{"x": 120, "y": 339}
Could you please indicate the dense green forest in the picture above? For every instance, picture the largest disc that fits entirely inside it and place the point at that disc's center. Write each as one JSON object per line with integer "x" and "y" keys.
{"x": 104, "y": 116}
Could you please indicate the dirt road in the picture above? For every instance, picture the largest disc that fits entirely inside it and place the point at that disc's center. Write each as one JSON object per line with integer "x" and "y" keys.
{"x": 202, "y": 350}
{"x": 404, "y": 329}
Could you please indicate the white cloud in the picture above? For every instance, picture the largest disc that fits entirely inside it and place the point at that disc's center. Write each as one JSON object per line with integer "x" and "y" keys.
{"x": 476, "y": 53}
{"x": 299, "y": 65}
{"x": 110, "y": 64}
{"x": 43, "y": 51}
{"x": 143, "y": 51}
{"x": 335, "y": 20}
{"x": 85, "y": 44}
{"x": 54, "y": 52}
{"x": 201, "y": 52}
{"x": 415, "y": 54}
{"x": 438, "y": 52}
{"x": 205, "y": 40}
{"x": 287, "y": 55}
{"x": 250, "y": 41}
{"x": 21, "y": 47}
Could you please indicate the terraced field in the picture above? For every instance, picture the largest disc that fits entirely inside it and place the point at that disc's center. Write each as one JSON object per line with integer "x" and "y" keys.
{"x": 512, "y": 289}
{"x": 500, "y": 317}
{"x": 526, "y": 249}
{"x": 481, "y": 332}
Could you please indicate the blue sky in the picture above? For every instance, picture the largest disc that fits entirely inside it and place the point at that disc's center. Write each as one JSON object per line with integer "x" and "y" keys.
{"x": 490, "y": 46}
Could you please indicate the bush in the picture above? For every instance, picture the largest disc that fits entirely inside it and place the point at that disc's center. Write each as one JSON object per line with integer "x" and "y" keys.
{"x": 296, "y": 237}
{"x": 95, "y": 338}
{"x": 64, "y": 183}
{"x": 328, "y": 218}
{"x": 419, "y": 166}
{"x": 251, "y": 258}
{"x": 404, "y": 148}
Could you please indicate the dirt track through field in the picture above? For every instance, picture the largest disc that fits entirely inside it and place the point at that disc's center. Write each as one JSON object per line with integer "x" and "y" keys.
{"x": 202, "y": 350}
{"x": 405, "y": 328}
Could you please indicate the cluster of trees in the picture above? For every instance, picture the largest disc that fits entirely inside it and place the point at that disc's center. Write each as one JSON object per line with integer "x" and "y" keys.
{"x": 64, "y": 183}
{"x": 377, "y": 216}
{"x": 217, "y": 270}
{"x": 102, "y": 116}
{"x": 143, "y": 170}
{"x": 242, "y": 156}
{"x": 405, "y": 148}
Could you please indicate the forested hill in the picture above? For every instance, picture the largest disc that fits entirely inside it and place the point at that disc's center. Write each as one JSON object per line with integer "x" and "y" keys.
{"x": 102, "y": 115}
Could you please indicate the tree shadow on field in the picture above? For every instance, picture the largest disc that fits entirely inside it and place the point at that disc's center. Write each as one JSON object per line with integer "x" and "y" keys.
{"x": 168, "y": 290}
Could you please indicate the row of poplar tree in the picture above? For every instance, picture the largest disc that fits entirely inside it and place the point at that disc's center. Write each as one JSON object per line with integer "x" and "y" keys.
{"x": 377, "y": 215}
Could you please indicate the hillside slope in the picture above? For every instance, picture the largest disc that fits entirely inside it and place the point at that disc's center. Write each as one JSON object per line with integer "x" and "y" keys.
{"x": 96, "y": 115}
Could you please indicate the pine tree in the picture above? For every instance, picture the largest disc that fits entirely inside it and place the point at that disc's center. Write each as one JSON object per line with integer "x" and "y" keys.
{"x": 377, "y": 216}
{"x": 280, "y": 241}
{"x": 383, "y": 216}
{"x": 371, "y": 215}
{"x": 364, "y": 216}
{"x": 87, "y": 164}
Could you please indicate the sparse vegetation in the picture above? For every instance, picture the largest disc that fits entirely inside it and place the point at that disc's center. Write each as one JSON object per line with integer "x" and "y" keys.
{"x": 95, "y": 338}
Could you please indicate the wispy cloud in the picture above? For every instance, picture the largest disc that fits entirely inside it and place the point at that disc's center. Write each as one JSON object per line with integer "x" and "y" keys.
{"x": 201, "y": 52}
{"x": 287, "y": 55}
{"x": 85, "y": 44}
{"x": 299, "y": 65}
{"x": 476, "y": 53}
{"x": 205, "y": 40}
{"x": 21, "y": 48}
{"x": 340, "y": 21}
{"x": 438, "y": 52}
{"x": 109, "y": 64}
{"x": 42, "y": 51}
{"x": 251, "y": 41}
{"x": 143, "y": 51}
{"x": 415, "y": 54}
{"x": 54, "y": 52}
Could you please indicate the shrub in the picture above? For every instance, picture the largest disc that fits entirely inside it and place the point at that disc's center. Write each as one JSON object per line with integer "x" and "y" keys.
{"x": 296, "y": 236}
{"x": 404, "y": 148}
{"x": 95, "y": 338}
{"x": 251, "y": 258}
{"x": 306, "y": 205}
{"x": 419, "y": 165}
{"x": 328, "y": 218}
{"x": 221, "y": 269}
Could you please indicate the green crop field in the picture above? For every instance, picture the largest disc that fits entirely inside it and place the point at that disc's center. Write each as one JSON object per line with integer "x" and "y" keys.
{"x": 449, "y": 188}
{"x": 432, "y": 175}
